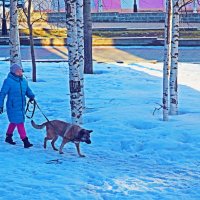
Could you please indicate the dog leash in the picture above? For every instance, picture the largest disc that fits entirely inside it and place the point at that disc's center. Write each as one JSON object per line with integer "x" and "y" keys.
{"x": 35, "y": 104}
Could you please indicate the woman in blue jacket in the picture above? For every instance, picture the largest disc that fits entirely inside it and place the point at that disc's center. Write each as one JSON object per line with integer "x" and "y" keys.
{"x": 15, "y": 87}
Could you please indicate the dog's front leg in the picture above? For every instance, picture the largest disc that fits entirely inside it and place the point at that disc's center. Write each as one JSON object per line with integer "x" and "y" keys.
{"x": 45, "y": 142}
{"x": 62, "y": 145}
{"x": 78, "y": 149}
{"x": 53, "y": 143}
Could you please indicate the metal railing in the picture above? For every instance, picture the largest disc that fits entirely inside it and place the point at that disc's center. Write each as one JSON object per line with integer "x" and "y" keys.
{"x": 20, "y": 3}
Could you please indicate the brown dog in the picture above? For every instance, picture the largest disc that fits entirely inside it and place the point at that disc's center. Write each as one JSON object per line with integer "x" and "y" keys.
{"x": 69, "y": 133}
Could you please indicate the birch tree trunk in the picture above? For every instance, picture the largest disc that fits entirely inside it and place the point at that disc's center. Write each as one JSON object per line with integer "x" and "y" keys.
{"x": 80, "y": 40}
{"x": 100, "y": 6}
{"x": 15, "y": 55}
{"x": 88, "y": 64}
{"x": 174, "y": 60}
{"x": 74, "y": 69}
{"x": 167, "y": 57}
{"x": 195, "y": 6}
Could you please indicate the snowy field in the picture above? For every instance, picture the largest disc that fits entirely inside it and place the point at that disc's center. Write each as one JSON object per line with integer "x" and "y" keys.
{"x": 133, "y": 155}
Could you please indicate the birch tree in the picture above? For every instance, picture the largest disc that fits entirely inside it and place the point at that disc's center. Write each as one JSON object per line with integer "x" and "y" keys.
{"x": 80, "y": 45}
{"x": 174, "y": 60}
{"x": 30, "y": 21}
{"x": 174, "y": 38}
{"x": 100, "y": 6}
{"x": 88, "y": 64}
{"x": 15, "y": 55}
{"x": 167, "y": 57}
{"x": 74, "y": 70}
{"x": 195, "y": 6}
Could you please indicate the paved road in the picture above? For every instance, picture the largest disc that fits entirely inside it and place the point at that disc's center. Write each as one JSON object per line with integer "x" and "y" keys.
{"x": 108, "y": 54}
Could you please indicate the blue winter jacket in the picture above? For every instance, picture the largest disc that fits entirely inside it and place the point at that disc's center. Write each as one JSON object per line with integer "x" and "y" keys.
{"x": 16, "y": 88}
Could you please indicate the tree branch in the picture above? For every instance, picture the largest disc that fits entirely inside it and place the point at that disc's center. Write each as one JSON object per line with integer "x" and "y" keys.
{"x": 160, "y": 106}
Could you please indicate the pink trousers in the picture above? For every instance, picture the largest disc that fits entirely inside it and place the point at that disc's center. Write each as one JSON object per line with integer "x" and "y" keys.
{"x": 20, "y": 128}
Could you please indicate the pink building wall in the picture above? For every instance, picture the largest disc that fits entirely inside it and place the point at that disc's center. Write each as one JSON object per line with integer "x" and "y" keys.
{"x": 127, "y": 5}
{"x": 151, "y": 4}
{"x": 109, "y": 4}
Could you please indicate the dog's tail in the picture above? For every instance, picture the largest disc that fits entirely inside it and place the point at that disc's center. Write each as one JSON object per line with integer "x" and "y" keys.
{"x": 37, "y": 126}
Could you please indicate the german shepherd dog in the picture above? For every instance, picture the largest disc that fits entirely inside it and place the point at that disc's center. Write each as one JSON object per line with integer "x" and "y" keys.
{"x": 69, "y": 133}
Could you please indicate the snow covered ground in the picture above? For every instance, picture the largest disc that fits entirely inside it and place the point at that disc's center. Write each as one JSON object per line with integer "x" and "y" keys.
{"x": 133, "y": 155}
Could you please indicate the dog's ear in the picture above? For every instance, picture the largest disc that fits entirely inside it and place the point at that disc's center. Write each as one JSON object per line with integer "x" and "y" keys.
{"x": 90, "y": 131}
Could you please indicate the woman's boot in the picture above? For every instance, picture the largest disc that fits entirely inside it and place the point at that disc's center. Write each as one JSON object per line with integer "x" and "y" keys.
{"x": 27, "y": 144}
{"x": 9, "y": 139}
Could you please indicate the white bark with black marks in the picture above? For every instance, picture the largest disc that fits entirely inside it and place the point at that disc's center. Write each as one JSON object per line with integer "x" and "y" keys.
{"x": 100, "y": 6}
{"x": 80, "y": 40}
{"x": 14, "y": 42}
{"x": 74, "y": 69}
{"x": 167, "y": 58}
{"x": 174, "y": 60}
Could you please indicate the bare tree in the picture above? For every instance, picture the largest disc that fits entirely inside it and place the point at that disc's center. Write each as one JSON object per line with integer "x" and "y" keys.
{"x": 174, "y": 60}
{"x": 15, "y": 55}
{"x": 4, "y": 24}
{"x": 100, "y": 6}
{"x": 195, "y": 6}
{"x": 167, "y": 57}
{"x": 30, "y": 22}
{"x": 172, "y": 49}
{"x": 184, "y": 3}
{"x": 80, "y": 40}
{"x": 88, "y": 65}
{"x": 27, "y": 13}
{"x": 74, "y": 70}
